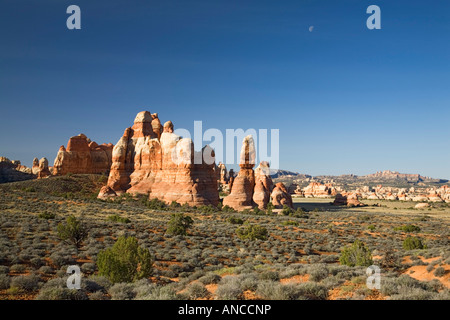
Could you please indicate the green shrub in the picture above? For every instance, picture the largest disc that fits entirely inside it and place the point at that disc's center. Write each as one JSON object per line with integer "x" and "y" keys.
{"x": 289, "y": 223}
{"x": 252, "y": 232}
{"x": 117, "y": 218}
{"x": 408, "y": 228}
{"x": 286, "y": 210}
{"x": 125, "y": 261}
{"x": 47, "y": 215}
{"x": 299, "y": 213}
{"x": 411, "y": 243}
{"x": 196, "y": 290}
{"x": 356, "y": 255}
{"x": 179, "y": 224}
{"x": 371, "y": 227}
{"x": 269, "y": 209}
{"x": 73, "y": 231}
{"x": 5, "y": 280}
{"x": 154, "y": 204}
{"x": 234, "y": 220}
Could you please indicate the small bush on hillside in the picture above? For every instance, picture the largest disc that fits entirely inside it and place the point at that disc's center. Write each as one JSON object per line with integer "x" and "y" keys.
{"x": 47, "y": 215}
{"x": 408, "y": 228}
{"x": 234, "y": 220}
{"x": 252, "y": 232}
{"x": 411, "y": 243}
{"x": 73, "y": 231}
{"x": 125, "y": 261}
{"x": 356, "y": 255}
{"x": 179, "y": 224}
{"x": 117, "y": 218}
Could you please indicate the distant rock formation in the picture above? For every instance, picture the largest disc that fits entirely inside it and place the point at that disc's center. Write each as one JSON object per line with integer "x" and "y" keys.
{"x": 11, "y": 171}
{"x": 162, "y": 166}
{"x": 281, "y": 197}
{"x": 263, "y": 185}
{"x": 83, "y": 156}
{"x": 318, "y": 190}
{"x": 349, "y": 200}
{"x": 35, "y": 167}
{"x": 241, "y": 196}
{"x": 43, "y": 171}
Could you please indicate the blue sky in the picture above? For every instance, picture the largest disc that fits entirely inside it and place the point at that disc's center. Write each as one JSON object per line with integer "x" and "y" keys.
{"x": 346, "y": 99}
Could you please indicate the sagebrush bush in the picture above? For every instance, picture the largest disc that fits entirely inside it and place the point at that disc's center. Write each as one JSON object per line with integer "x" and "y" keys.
{"x": 439, "y": 272}
{"x": 5, "y": 281}
{"x": 125, "y": 261}
{"x": 356, "y": 255}
{"x": 196, "y": 290}
{"x": 27, "y": 283}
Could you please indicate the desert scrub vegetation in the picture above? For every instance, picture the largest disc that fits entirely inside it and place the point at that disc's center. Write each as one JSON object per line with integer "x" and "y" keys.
{"x": 179, "y": 224}
{"x": 356, "y": 255}
{"x": 125, "y": 261}
{"x": 412, "y": 243}
{"x": 295, "y": 246}
{"x": 252, "y": 232}
{"x": 73, "y": 231}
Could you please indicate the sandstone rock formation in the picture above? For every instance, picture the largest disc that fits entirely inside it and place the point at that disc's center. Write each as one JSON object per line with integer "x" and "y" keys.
{"x": 43, "y": 171}
{"x": 422, "y": 205}
{"x": 35, "y": 167}
{"x": 241, "y": 196}
{"x": 319, "y": 190}
{"x": 281, "y": 197}
{"x": 349, "y": 200}
{"x": 11, "y": 171}
{"x": 83, "y": 156}
{"x": 263, "y": 185}
{"x": 163, "y": 167}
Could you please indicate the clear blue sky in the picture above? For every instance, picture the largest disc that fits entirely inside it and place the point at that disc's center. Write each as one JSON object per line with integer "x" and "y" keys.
{"x": 346, "y": 99}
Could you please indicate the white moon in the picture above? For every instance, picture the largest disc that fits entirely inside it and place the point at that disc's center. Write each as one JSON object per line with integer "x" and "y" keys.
{"x": 311, "y": 29}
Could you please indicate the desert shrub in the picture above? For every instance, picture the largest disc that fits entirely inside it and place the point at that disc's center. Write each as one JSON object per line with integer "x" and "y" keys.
{"x": 117, "y": 218}
{"x": 439, "y": 272}
{"x": 155, "y": 292}
{"x": 286, "y": 210}
{"x": 56, "y": 289}
{"x": 408, "y": 228}
{"x": 289, "y": 223}
{"x": 234, "y": 220}
{"x": 60, "y": 260}
{"x": 371, "y": 227}
{"x": 269, "y": 209}
{"x": 411, "y": 243}
{"x": 125, "y": 261}
{"x": 5, "y": 280}
{"x": 269, "y": 275}
{"x": 154, "y": 204}
{"x": 47, "y": 215}
{"x": 356, "y": 255}
{"x": 19, "y": 268}
{"x": 37, "y": 262}
{"x": 299, "y": 213}
{"x": 271, "y": 290}
{"x": 73, "y": 231}
{"x": 88, "y": 267}
{"x": 45, "y": 270}
{"x": 179, "y": 224}
{"x": 27, "y": 283}
{"x": 318, "y": 272}
{"x": 210, "y": 278}
{"x": 196, "y": 290}
{"x": 312, "y": 291}
{"x": 229, "y": 289}
{"x": 4, "y": 270}
{"x": 252, "y": 232}
{"x": 122, "y": 291}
